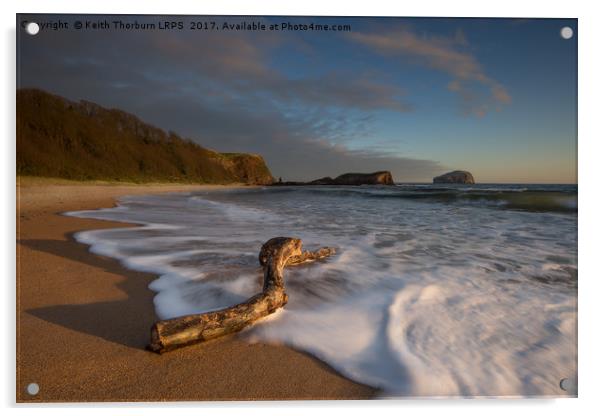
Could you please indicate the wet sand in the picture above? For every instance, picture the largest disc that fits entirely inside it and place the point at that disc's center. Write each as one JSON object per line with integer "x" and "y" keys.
{"x": 83, "y": 321}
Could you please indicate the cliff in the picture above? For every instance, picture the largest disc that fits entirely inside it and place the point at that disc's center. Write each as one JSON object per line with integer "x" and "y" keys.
{"x": 84, "y": 141}
{"x": 248, "y": 167}
{"x": 457, "y": 176}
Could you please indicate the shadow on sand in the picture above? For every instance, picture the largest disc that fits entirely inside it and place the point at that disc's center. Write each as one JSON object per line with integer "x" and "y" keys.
{"x": 126, "y": 322}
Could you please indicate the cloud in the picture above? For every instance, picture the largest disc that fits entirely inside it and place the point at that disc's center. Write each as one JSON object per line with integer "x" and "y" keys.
{"x": 445, "y": 55}
{"x": 240, "y": 62}
{"x": 297, "y": 149}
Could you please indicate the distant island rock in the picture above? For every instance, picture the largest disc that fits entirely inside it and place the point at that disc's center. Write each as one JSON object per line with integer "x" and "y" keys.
{"x": 355, "y": 179}
{"x": 377, "y": 178}
{"x": 81, "y": 140}
{"x": 457, "y": 176}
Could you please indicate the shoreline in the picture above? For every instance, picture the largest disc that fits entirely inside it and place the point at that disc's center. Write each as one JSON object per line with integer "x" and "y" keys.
{"x": 83, "y": 320}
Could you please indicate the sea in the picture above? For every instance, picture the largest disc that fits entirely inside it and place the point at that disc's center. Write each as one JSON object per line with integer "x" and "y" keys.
{"x": 435, "y": 290}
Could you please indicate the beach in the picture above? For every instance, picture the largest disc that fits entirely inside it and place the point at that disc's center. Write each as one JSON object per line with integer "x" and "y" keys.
{"x": 83, "y": 320}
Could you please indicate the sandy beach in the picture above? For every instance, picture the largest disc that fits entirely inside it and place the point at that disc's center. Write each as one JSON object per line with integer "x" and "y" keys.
{"x": 83, "y": 321}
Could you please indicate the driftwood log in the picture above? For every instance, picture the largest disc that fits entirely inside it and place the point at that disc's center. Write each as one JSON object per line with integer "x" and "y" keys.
{"x": 275, "y": 254}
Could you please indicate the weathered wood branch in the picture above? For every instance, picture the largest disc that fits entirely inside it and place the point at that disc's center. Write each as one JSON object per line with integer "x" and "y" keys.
{"x": 275, "y": 254}
{"x": 309, "y": 256}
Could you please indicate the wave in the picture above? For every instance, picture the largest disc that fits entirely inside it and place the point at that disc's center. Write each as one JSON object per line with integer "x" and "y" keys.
{"x": 533, "y": 201}
{"x": 558, "y": 198}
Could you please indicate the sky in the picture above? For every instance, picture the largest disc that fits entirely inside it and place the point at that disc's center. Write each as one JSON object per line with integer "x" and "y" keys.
{"x": 415, "y": 96}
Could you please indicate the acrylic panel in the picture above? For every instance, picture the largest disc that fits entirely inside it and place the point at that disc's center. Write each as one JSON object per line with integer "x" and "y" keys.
{"x": 293, "y": 208}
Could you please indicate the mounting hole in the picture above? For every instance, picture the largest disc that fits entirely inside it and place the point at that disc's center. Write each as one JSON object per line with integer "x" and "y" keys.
{"x": 566, "y": 32}
{"x": 32, "y": 28}
{"x": 33, "y": 389}
{"x": 568, "y": 385}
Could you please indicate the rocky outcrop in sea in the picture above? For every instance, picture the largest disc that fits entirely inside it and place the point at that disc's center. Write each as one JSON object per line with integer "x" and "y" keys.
{"x": 376, "y": 178}
{"x": 457, "y": 176}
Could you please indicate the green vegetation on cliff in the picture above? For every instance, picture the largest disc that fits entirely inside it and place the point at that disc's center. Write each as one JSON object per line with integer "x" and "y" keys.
{"x": 84, "y": 141}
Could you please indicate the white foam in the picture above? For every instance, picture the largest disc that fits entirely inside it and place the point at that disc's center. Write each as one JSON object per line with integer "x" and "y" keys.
{"x": 478, "y": 344}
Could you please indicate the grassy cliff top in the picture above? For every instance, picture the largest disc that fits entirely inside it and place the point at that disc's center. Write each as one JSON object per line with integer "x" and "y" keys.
{"x": 60, "y": 138}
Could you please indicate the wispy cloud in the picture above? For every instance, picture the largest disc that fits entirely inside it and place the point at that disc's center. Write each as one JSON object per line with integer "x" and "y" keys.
{"x": 445, "y": 54}
{"x": 242, "y": 64}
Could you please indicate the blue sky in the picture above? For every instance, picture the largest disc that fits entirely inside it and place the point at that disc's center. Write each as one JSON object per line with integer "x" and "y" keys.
{"x": 416, "y": 96}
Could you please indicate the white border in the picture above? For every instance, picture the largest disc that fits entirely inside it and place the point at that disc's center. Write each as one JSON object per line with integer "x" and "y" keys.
{"x": 589, "y": 35}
